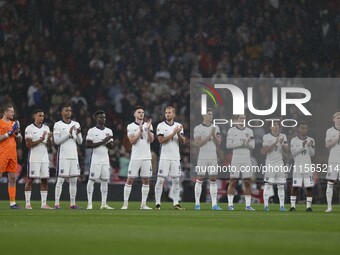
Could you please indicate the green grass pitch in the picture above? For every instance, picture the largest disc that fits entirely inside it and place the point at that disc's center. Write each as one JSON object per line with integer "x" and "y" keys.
{"x": 168, "y": 231}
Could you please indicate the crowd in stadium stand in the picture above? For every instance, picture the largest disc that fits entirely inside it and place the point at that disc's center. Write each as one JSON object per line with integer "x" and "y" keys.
{"x": 115, "y": 54}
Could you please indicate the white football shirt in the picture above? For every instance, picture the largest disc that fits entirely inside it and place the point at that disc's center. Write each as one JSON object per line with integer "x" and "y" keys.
{"x": 170, "y": 149}
{"x": 38, "y": 153}
{"x": 334, "y": 153}
{"x": 67, "y": 146}
{"x": 208, "y": 150}
{"x": 274, "y": 157}
{"x": 99, "y": 154}
{"x": 141, "y": 149}
{"x": 235, "y": 137}
{"x": 302, "y": 155}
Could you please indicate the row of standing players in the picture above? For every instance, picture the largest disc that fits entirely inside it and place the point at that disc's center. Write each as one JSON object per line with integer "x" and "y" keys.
{"x": 275, "y": 145}
{"x": 67, "y": 134}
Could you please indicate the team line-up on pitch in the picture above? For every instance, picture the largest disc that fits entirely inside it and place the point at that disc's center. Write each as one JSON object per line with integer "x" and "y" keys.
{"x": 67, "y": 136}
{"x": 306, "y": 168}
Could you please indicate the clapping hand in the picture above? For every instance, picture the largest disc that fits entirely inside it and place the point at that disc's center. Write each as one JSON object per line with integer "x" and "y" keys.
{"x": 107, "y": 138}
{"x": 71, "y": 129}
{"x": 149, "y": 123}
{"x": 178, "y": 129}
{"x": 15, "y": 128}
{"x": 43, "y": 136}
{"x": 279, "y": 140}
{"x": 310, "y": 143}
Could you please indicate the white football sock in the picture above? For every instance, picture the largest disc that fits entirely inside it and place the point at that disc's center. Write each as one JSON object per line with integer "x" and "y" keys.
{"x": 176, "y": 190}
{"x": 266, "y": 194}
{"x": 127, "y": 191}
{"x": 248, "y": 200}
{"x": 292, "y": 201}
{"x": 329, "y": 194}
{"x": 145, "y": 193}
{"x": 281, "y": 194}
{"x": 230, "y": 199}
{"x": 43, "y": 195}
{"x": 198, "y": 191}
{"x": 103, "y": 189}
{"x": 89, "y": 189}
{"x": 171, "y": 192}
{"x": 309, "y": 202}
{"x": 73, "y": 190}
{"x": 213, "y": 193}
{"x": 58, "y": 190}
{"x": 28, "y": 197}
{"x": 159, "y": 190}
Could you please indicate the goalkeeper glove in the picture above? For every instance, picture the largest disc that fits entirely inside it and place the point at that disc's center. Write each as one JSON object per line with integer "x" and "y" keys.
{"x": 15, "y": 127}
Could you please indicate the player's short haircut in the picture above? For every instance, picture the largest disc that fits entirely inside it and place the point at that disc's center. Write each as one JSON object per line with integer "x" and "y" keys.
{"x": 235, "y": 117}
{"x": 170, "y": 107}
{"x": 65, "y": 106}
{"x": 99, "y": 112}
{"x": 5, "y": 107}
{"x": 302, "y": 123}
{"x": 37, "y": 110}
{"x": 137, "y": 107}
{"x": 208, "y": 110}
{"x": 336, "y": 114}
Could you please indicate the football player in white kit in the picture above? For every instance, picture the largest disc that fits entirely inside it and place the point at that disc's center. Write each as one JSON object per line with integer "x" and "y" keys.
{"x": 169, "y": 134}
{"x": 38, "y": 140}
{"x": 241, "y": 140}
{"x": 333, "y": 144}
{"x": 302, "y": 148}
{"x": 207, "y": 137}
{"x": 66, "y": 135}
{"x": 274, "y": 145}
{"x": 100, "y": 140}
{"x": 140, "y": 134}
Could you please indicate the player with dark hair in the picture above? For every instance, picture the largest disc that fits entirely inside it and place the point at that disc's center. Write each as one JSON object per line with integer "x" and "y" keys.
{"x": 38, "y": 141}
{"x": 140, "y": 134}
{"x": 302, "y": 148}
{"x": 100, "y": 140}
{"x": 67, "y": 134}
{"x": 241, "y": 140}
{"x": 207, "y": 137}
{"x": 9, "y": 137}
